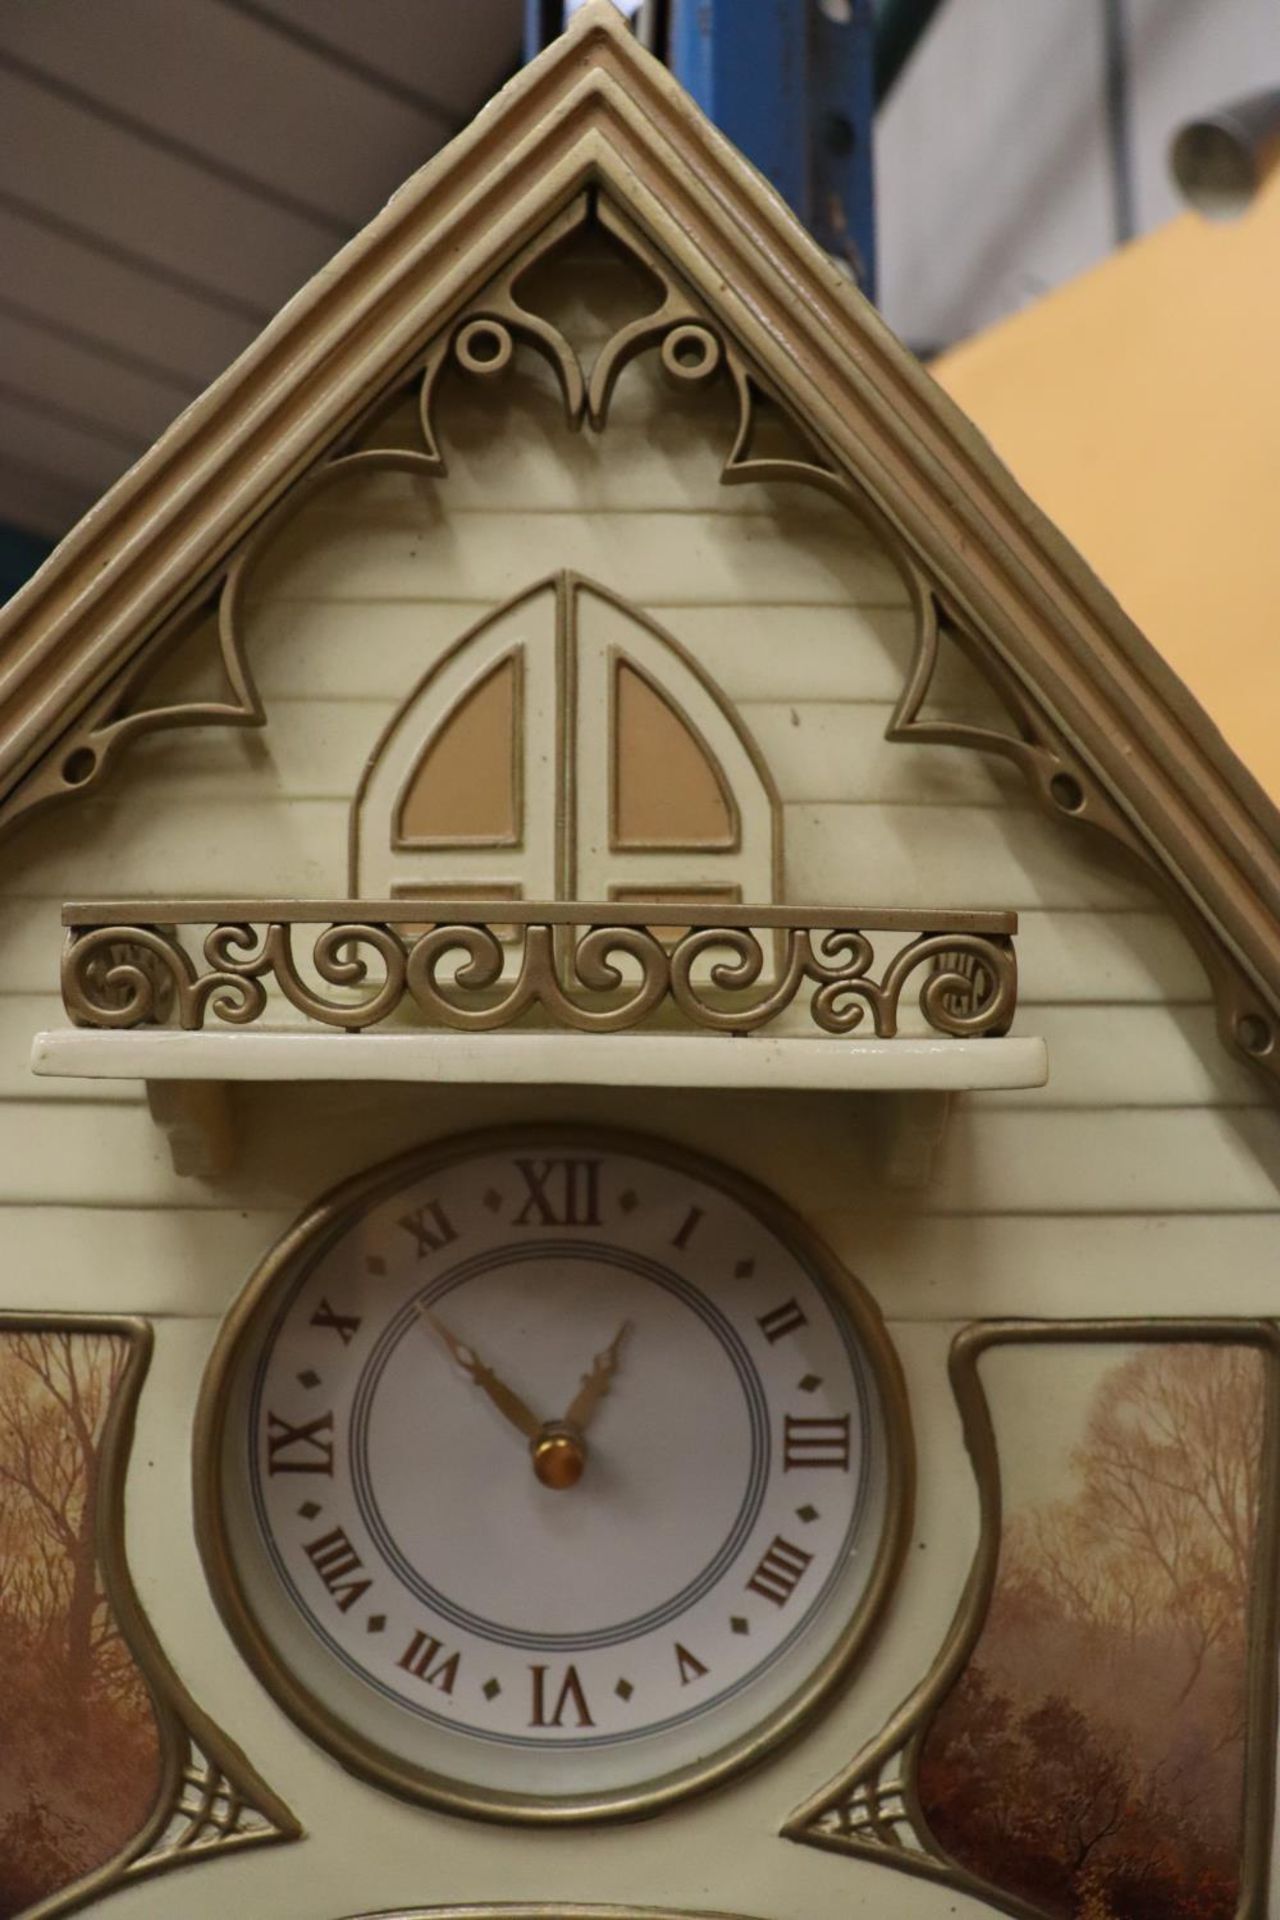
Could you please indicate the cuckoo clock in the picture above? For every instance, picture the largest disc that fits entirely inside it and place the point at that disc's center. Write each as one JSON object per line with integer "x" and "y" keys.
{"x": 641, "y": 1249}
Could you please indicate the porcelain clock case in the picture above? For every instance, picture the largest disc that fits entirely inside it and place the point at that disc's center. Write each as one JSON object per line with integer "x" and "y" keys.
{"x": 552, "y": 1474}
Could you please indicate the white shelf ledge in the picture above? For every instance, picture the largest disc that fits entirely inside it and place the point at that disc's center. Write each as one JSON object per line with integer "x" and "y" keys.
{"x": 188, "y": 1074}
{"x": 548, "y": 1059}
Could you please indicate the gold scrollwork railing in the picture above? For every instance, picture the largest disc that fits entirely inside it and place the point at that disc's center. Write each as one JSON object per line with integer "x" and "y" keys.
{"x": 589, "y": 967}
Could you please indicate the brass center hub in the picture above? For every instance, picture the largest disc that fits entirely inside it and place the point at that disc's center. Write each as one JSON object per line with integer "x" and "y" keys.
{"x": 559, "y": 1456}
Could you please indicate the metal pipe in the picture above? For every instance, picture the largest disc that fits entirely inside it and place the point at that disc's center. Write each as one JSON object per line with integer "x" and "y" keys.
{"x": 1221, "y": 162}
{"x": 1119, "y": 119}
{"x": 900, "y": 26}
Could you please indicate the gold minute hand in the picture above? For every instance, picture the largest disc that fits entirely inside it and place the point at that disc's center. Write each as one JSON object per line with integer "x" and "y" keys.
{"x": 595, "y": 1383}
{"x": 508, "y": 1403}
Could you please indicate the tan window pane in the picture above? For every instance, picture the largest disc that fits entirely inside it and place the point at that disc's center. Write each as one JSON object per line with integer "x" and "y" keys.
{"x": 668, "y": 790}
{"x": 465, "y": 788}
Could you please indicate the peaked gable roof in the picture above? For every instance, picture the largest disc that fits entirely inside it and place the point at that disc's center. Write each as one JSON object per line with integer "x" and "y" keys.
{"x": 1106, "y": 734}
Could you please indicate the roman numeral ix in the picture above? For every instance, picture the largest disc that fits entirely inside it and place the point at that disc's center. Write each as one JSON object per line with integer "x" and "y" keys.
{"x": 560, "y": 1193}
{"x": 304, "y": 1449}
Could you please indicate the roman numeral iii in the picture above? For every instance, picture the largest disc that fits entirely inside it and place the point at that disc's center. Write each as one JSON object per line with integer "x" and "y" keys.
{"x": 334, "y": 1558}
{"x": 304, "y": 1449}
{"x": 560, "y": 1193}
{"x": 815, "y": 1443}
{"x": 780, "y": 1571}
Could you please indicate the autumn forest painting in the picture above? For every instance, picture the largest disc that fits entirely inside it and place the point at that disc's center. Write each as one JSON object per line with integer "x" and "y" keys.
{"x": 79, "y": 1745}
{"x": 1090, "y": 1761}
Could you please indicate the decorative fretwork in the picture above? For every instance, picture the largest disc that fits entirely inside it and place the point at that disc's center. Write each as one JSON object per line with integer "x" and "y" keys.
{"x": 877, "y": 1816}
{"x": 591, "y": 967}
{"x": 208, "y": 1811}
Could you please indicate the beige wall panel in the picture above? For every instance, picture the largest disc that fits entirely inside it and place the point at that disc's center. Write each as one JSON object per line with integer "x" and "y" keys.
{"x": 822, "y": 750}
{"x": 379, "y": 648}
{"x": 814, "y": 557}
{"x": 1131, "y": 1057}
{"x": 21, "y": 1016}
{"x": 30, "y": 942}
{"x": 166, "y": 1261}
{"x": 904, "y": 856}
{"x": 816, "y": 750}
{"x": 1125, "y": 956}
{"x": 948, "y": 857}
{"x": 987, "y": 1266}
{"x": 298, "y": 1140}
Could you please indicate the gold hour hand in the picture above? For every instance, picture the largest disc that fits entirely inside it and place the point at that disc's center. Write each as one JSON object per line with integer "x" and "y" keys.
{"x": 595, "y": 1383}
{"x": 508, "y": 1402}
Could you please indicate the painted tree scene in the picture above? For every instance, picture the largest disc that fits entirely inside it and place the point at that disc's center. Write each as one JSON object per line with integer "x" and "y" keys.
{"x": 79, "y": 1745}
{"x": 1091, "y": 1758}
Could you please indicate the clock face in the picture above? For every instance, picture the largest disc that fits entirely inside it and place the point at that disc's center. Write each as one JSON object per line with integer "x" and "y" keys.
{"x": 551, "y": 1474}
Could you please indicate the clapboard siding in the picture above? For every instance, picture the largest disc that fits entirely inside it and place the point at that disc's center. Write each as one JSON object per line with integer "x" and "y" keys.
{"x": 695, "y": 558}
{"x": 816, "y": 751}
{"x": 297, "y": 1141}
{"x": 164, "y": 1261}
{"x": 926, "y": 856}
{"x": 379, "y": 649}
{"x": 1132, "y": 1057}
{"x": 25, "y": 1014}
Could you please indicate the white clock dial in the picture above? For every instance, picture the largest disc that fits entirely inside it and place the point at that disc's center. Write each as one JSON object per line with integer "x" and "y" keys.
{"x": 555, "y": 1472}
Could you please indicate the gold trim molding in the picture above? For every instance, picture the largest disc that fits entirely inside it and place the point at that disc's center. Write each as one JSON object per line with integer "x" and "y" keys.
{"x": 590, "y": 967}
{"x": 873, "y": 1809}
{"x": 547, "y": 1910}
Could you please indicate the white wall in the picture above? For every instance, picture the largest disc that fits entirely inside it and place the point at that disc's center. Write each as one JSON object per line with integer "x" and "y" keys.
{"x": 994, "y": 180}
